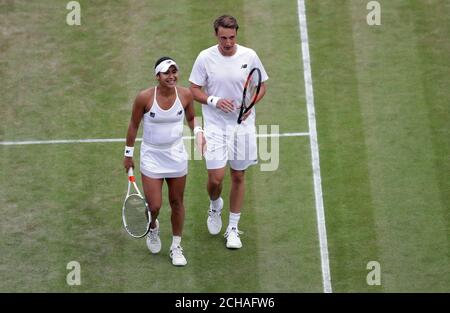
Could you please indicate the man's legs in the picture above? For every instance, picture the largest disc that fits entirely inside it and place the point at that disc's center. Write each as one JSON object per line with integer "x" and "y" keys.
{"x": 237, "y": 190}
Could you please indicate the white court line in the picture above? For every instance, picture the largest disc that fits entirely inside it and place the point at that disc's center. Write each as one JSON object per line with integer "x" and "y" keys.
{"x": 326, "y": 276}
{"x": 101, "y": 140}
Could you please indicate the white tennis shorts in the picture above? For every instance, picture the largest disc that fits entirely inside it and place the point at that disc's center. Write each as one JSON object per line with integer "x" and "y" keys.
{"x": 237, "y": 146}
{"x": 164, "y": 162}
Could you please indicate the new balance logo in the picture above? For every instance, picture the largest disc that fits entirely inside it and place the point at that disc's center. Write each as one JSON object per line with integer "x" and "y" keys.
{"x": 244, "y": 66}
{"x": 152, "y": 114}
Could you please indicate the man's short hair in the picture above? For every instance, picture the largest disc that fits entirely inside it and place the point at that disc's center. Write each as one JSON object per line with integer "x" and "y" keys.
{"x": 225, "y": 21}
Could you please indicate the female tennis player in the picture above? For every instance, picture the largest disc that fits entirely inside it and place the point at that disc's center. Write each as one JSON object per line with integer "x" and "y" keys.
{"x": 163, "y": 155}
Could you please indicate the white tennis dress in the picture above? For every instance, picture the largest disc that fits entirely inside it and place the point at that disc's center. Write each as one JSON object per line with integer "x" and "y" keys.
{"x": 163, "y": 154}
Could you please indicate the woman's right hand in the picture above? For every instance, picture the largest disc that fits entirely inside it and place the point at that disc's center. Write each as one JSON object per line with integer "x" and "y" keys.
{"x": 127, "y": 163}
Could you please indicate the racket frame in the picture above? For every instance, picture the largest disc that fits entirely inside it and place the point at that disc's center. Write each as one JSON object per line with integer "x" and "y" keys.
{"x": 132, "y": 182}
{"x": 244, "y": 109}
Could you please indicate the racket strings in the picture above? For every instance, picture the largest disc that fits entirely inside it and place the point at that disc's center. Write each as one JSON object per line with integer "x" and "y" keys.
{"x": 251, "y": 86}
{"x": 136, "y": 215}
{"x": 251, "y": 92}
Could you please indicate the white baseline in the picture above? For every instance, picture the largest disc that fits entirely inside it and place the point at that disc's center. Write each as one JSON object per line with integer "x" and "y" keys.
{"x": 326, "y": 276}
{"x": 102, "y": 140}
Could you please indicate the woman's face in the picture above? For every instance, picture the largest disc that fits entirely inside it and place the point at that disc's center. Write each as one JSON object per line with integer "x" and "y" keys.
{"x": 169, "y": 78}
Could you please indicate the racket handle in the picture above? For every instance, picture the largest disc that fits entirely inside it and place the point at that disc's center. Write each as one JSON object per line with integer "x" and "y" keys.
{"x": 131, "y": 174}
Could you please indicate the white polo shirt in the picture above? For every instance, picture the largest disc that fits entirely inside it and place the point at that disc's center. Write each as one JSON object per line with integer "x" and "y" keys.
{"x": 224, "y": 77}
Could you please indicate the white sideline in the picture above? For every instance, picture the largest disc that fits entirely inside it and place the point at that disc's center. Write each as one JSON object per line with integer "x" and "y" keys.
{"x": 326, "y": 276}
{"x": 101, "y": 140}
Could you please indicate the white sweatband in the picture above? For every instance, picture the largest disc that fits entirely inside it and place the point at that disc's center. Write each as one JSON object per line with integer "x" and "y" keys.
{"x": 128, "y": 151}
{"x": 212, "y": 100}
{"x": 197, "y": 129}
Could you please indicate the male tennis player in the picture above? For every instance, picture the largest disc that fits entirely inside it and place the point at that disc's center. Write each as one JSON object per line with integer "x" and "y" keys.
{"x": 163, "y": 156}
{"x": 217, "y": 80}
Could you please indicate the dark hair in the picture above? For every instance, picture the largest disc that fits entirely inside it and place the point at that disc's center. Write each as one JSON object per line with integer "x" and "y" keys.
{"x": 161, "y": 60}
{"x": 225, "y": 21}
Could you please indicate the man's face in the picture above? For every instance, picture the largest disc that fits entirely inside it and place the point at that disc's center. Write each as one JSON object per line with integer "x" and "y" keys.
{"x": 226, "y": 37}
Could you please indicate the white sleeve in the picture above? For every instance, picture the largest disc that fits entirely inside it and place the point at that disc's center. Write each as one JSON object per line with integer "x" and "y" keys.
{"x": 257, "y": 63}
{"x": 198, "y": 73}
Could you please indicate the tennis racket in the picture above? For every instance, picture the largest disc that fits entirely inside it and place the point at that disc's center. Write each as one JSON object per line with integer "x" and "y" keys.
{"x": 250, "y": 94}
{"x": 135, "y": 213}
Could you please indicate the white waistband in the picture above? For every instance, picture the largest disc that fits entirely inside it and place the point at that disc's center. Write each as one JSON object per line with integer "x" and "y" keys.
{"x": 163, "y": 147}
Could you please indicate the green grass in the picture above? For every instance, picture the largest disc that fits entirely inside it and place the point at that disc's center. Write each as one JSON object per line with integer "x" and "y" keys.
{"x": 383, "y": 125}
{"x": 79, "y": 82}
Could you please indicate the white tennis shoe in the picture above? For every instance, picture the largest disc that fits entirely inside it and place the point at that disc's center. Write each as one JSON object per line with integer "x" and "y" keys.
{"x": 214, "y": 221}
{"x": 153, "y": 240}
{"x": 176, "y": 254}
{"x": 233, "y": 240}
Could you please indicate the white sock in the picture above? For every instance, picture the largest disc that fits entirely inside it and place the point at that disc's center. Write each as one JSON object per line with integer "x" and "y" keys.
{"x": 215, "y": 204}
{"x": 234, "y": 220}
{"x": 176, "y": 241}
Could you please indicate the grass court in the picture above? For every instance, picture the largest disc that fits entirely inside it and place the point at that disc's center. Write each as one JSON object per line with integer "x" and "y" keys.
{"x": 382, "y": 113}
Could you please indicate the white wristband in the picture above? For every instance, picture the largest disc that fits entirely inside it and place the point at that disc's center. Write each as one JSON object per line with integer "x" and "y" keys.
{"x": 128, "y": 151}
{"x": 212, "y": 100}
{"x": 197, "y": 129}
